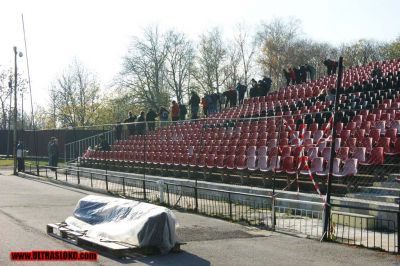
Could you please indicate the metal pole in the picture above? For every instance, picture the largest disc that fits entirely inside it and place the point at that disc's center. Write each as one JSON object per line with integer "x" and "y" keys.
{"x": 9, "y": 118}
{"x": 398, "y": 227}
{"x": 196, "y": 208}
{"x": 15, "y": 111}
{"x": 274, "y": 176}
{"x": 327, "y": 212}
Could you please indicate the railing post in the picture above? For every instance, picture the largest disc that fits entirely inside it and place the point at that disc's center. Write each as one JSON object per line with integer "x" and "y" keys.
{"x": 79, "y": 179}
{"x": 37, "y": 169}
{"x": 123, "y": 186}
{"x": 66, "y": 175}
{"x": 65, "y": 153}
{"x": 144, "y": 189}
{"x": 168, "y": 195}
{"x": 327, "y": 212}
{"x": 56, "y": 174}
{"x": 196, "y": 208}
{"x": 398, "y": 227}
{"x": 230, "y": 205}
{"x": 91, "y": 179}
{"x": 106, "y": 181}
{"x": 273, "y": 213}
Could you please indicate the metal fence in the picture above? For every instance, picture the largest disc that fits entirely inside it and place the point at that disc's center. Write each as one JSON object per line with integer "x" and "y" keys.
{"x": 271, "y": 213}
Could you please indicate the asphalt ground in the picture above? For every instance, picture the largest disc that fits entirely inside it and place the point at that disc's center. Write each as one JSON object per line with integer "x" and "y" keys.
{"x": 28, "y": 205}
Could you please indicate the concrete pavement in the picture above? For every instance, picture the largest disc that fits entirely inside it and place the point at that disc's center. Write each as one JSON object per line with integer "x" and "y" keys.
{"x": 26, "y": 206}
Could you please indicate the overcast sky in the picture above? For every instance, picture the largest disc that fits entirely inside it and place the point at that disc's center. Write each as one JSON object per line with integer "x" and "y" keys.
{"x": 99, "y": 32}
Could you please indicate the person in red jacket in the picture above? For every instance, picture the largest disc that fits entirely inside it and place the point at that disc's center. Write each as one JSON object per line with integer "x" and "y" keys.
{"x": 175, "y": 111}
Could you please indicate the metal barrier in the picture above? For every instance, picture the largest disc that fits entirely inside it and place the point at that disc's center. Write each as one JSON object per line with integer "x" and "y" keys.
{"x": 246, "y": 208}
{"x": 76, "y": 148}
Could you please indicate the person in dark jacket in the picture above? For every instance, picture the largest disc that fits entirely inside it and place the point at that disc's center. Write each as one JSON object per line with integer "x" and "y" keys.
{"x": 311, "y": 70}
{"x": 131, "y": 119}
{"x": 232, "y": 97}
{"x": 204, "y": 104}
{"x": 164, "y": 114}
{"x": 303, "y": 74}
{"x": 298, "y": 74}
{"x": 194, "y": 103}
{"x": 103, "y": 144}
{"x": 292, "y": 76}
{"x": 141, "y": 126}
{"x": 20, "y": 157}
{"x": 118, "y": 131}
{"x": 286, "y": 74}
{"x": 254, "y": 89}
{"x": 151, "y": 118}
{"x": 376, "y": 72}
{"x": 52, "y": 149}
{"x": 182, "y": 112}
{"x": 241, "y": 89}
{"x": 267, "y": 84}
{"x": 330, "y": 66}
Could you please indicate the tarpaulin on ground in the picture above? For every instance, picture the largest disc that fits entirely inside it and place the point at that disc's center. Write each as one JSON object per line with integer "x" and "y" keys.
{"x": 127, "y": 221}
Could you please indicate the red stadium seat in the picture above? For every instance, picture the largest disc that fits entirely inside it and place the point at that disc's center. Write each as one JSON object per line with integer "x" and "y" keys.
{"x": 230, "y": 162}
{"x": 288, "y": 165}
{"x": 210, "y": 162}
{"x": 376, "y": 157}
{"x": 359, "y": 154}
{"x": 241, "y": 162}
{"x": 349, "y": 168}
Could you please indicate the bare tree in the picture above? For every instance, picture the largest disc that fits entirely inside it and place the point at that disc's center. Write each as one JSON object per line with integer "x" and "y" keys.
{"x": 247, "y": 47}
{"x": 143, "y": 73}
{"x": 75, "y": 96}
{"x": 7, "y": 99}
{"x": 5, "y": 93}
{"x": 278, "y": 44}
{"x": 179, "y": 60}
{"x": 232, "y": 71}
{"x": 211, "y": 71}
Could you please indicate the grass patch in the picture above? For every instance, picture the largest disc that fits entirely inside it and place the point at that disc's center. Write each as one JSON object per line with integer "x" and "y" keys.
{"x": 10, "y": 162}
{"x": 6, "y": 162}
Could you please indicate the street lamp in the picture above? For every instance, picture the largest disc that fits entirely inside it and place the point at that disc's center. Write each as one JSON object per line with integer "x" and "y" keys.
{"x": 15, "y": 108}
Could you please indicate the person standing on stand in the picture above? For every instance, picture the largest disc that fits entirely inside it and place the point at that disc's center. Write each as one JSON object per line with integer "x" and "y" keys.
{"x": 241, "y": 89}
{"x": 175, "y": 111}
{"x": 151, "y": 118}
{"x": 182, "y": 112}
{"x": 131, "y": 127}
{"x": 20, "y": 157}
{"x": 141, "y": 126}
{"x": 118, "y": 131}
{"x": 52, "y": 149}
{"x": 194, "y": 103}
{"x": 163, "y": 116}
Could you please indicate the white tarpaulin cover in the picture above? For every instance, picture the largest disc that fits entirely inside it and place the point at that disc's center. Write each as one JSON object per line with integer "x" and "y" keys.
{"x": 137, "y": 223}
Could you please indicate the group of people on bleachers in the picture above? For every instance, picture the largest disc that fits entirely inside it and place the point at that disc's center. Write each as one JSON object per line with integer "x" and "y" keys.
{"x": 260, "y": 88}
{"x": 298, "y": 75}
{"x": 215, "y": 102}
{"x": 331, "y": 66}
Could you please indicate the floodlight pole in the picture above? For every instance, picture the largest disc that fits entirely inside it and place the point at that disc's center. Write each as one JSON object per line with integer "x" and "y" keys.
{"x": 15, "y": 111}
{"x": 327, "y": 213}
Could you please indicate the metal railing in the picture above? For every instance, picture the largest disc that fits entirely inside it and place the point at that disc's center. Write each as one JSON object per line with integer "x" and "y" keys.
{"x": 76, "y": 148}
{"x": 280, "y": 214}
